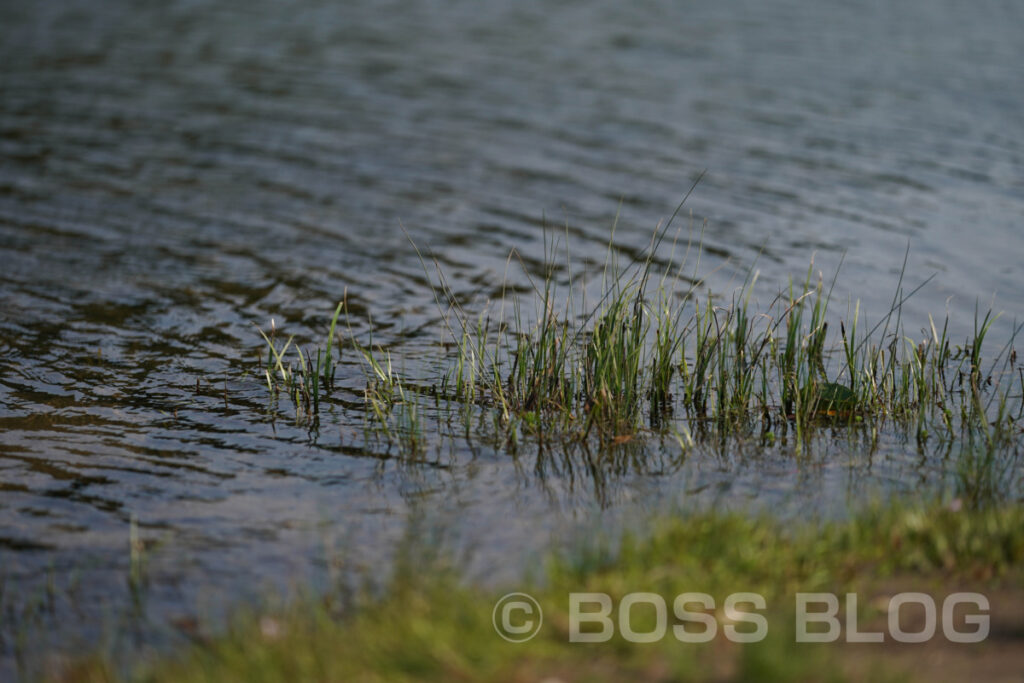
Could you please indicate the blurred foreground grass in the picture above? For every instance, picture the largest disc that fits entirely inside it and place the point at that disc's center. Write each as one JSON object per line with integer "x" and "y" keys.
{"x": 428, "y": 623}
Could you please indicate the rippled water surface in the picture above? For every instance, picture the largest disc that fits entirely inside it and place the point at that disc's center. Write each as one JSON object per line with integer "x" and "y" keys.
{"x": 173, "y": 175}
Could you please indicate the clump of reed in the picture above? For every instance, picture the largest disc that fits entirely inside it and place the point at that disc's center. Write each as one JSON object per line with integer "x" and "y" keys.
{"x": 303, "y": 379}
{"x": 657, "y": 353}
{"x": 655, "y": 347}
{"x": 391, "y": 408}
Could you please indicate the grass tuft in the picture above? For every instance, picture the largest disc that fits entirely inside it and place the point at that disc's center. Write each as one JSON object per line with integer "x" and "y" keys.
{"x": 655, "y": 355}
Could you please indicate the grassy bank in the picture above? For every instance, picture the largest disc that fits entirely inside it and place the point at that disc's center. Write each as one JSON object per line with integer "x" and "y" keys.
{"x": 428, "y": 624}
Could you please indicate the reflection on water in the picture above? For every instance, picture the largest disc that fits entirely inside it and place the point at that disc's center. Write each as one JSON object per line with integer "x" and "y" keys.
{"x": 174, "y": 174}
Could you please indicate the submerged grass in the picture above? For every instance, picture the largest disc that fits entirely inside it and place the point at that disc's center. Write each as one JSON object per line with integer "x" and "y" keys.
{"x": 303, "y": 379}
{"x": 659, "y": 355}
{"x": 686, "y": 363}
{"x": 425, "y": 623}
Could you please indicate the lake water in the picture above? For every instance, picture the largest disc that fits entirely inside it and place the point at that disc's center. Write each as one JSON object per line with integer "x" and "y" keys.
{"x": 175, "y": 174}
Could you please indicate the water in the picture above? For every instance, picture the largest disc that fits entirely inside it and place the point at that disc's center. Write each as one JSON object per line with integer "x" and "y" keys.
{"x": 173, "y": 175}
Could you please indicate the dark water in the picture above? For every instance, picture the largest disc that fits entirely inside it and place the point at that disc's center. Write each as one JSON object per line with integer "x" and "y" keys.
{"x": 173, "y": 175}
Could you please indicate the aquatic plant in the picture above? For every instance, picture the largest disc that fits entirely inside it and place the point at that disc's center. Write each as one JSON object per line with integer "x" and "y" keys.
{"x": 657, "y": 353}
{"x": 682, "y": 358}
{"x": 300, "y": 380}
